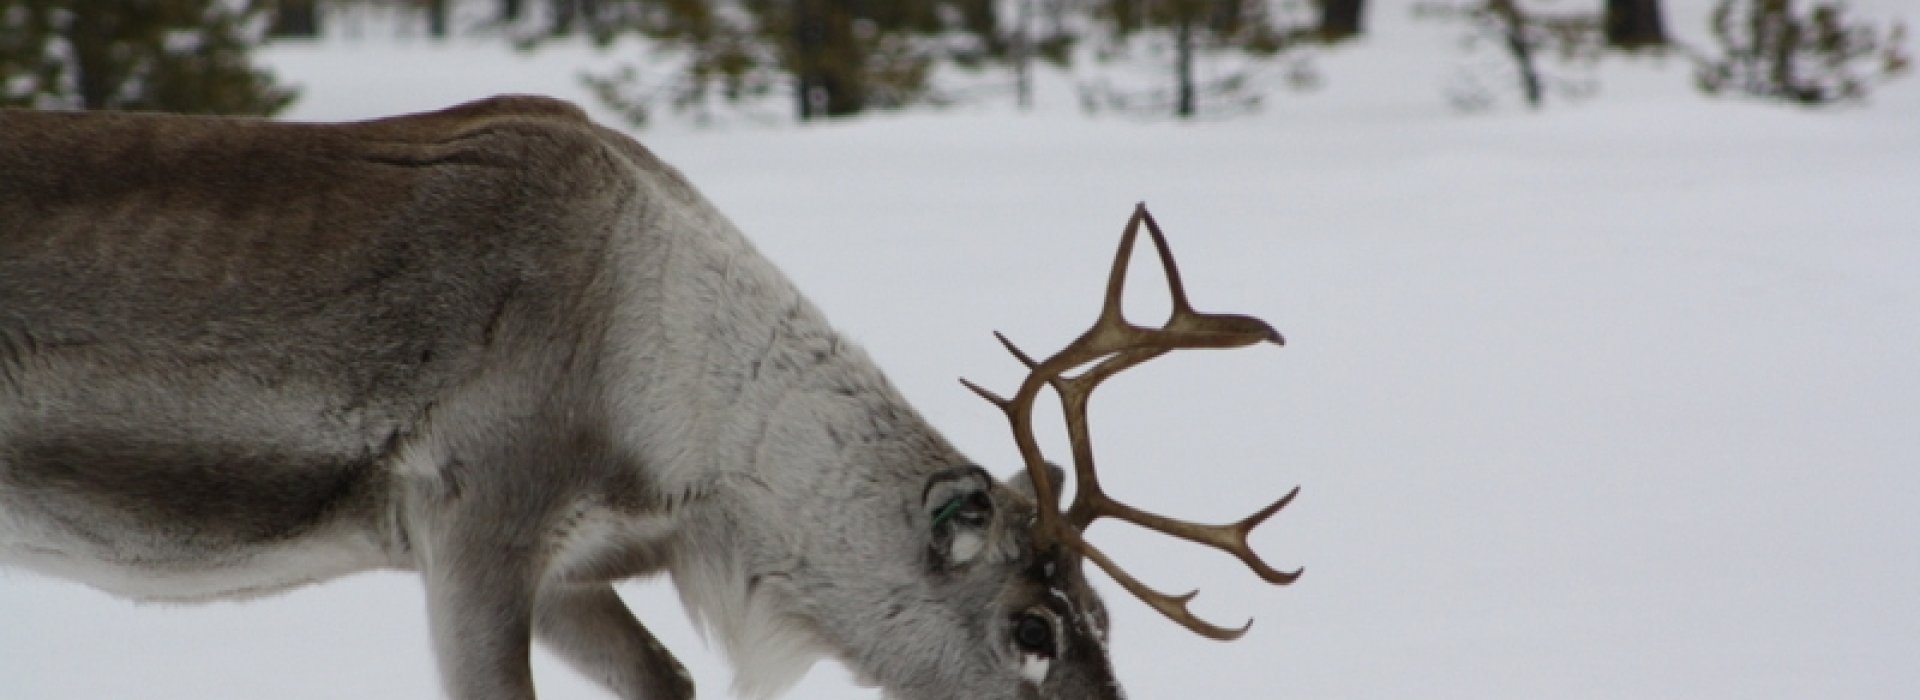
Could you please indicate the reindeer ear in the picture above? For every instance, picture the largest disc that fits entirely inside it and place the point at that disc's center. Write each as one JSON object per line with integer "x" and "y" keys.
{"x": 1022, "y": 481}
{"x": 958, "y": 507}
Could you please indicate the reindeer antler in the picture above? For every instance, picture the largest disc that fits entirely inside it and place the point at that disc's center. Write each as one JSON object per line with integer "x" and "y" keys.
{"x": 1116, "y": 345}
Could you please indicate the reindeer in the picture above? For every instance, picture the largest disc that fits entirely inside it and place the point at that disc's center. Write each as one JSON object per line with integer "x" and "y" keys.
{"x": 515, "y": 352}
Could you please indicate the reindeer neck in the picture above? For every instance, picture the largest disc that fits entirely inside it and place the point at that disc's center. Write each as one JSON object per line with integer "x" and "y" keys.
{"x": 735, "y": 374}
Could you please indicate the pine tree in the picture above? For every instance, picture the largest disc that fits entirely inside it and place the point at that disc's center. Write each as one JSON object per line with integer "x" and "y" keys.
{"x": 188, "y": 56}
{"x": 1541, "y": 53}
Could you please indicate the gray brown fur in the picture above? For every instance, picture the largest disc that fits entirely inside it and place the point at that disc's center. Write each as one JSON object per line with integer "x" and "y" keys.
{"x": 508, "y": 349}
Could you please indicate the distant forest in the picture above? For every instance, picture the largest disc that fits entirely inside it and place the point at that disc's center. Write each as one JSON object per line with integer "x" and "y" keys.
{"x": 821, "y": 59}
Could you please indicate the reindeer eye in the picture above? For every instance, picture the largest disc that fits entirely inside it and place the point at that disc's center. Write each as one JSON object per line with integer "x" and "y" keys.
{"x": 1033, "y": 635}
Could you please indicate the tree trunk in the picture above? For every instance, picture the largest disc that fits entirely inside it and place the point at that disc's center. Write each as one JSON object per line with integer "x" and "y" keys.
{"x": 1513, "y": 28}
{"x": 437, "y": 18}
{"x": 1777, "y": 37}
{"x": 1529, "y": 74}
{"x": 510, "y": 10}
{"x": 1340, "y": 19}
{"x": 1183, "y": 67}
{"x": 1633, "y": 24}
{"x": 809, "y": 34}
{"x": 1023, "y": 55}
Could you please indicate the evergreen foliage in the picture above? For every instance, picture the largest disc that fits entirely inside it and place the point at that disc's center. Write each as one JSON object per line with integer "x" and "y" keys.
{"x": 187, "y": 56}
{"x": 829, "y": 57}
{"x": 1819, "y": 57}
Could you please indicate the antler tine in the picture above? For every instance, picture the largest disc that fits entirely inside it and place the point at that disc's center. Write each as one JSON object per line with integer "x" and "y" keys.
{"x": 1110, "y": 311}
{"x": 1172, "y": 606}
{"x": 1175, "y": 287}
{"x": 1015, "y": 349}
{"x": 991, "y": 397}
{"x": 1230, "y": 538}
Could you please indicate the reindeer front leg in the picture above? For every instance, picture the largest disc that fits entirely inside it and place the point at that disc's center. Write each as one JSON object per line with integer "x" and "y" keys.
{"x": 588, "y": 626}
{"x": 480, "y": 609}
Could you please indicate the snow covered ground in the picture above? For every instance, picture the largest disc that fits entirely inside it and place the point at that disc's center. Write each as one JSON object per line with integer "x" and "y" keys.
{"x": 1617, "y": 400}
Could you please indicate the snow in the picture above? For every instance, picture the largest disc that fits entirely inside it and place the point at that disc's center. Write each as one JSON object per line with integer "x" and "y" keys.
{"x": 1616, "y": 400}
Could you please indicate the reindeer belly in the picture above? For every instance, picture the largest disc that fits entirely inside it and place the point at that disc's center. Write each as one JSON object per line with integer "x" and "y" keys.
{"x": 159, "y": 520}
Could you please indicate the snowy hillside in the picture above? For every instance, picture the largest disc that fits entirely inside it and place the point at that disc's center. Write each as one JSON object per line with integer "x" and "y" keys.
{"x": 1615, "y": 400}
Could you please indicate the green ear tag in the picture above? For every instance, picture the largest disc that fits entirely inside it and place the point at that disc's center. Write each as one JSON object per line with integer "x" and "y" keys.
{"x": 946, "y": 511}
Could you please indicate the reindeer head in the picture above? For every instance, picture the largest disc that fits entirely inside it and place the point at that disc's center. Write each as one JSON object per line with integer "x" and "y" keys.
{"x": 1019, "y": 554}
{"x": 1044, "y": 628}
